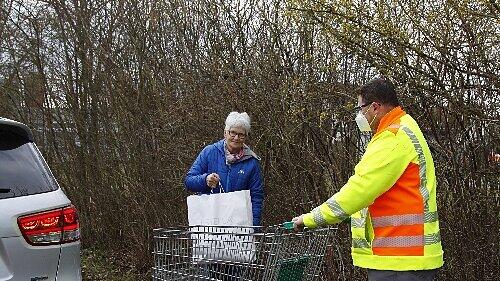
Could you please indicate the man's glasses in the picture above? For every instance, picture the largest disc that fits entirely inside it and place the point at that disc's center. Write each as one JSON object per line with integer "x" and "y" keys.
{"x": 358, "y": 108}
{"x": 240, "y": 135}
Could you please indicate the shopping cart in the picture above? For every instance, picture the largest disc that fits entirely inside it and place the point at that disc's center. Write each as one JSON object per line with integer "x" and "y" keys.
{"x": 228, "y": 253}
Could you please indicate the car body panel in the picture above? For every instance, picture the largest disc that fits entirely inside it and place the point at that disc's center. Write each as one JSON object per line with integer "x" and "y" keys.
{"x": 26, "y": 262}
{"x": 69, "y": 264}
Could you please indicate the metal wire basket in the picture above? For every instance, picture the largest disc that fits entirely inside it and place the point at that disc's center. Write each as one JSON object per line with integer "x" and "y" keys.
{"x": 230, "y": 253}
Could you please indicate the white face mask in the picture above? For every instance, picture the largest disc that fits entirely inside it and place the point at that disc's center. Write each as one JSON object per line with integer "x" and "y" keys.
{"x": 362, "y": 123}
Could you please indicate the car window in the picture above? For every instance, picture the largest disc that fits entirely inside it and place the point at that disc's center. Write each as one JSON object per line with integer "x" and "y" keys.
{"x": 22, "y": 169}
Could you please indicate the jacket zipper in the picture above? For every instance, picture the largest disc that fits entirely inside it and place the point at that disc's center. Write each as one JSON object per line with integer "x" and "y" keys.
{"x": 227, "y": 179}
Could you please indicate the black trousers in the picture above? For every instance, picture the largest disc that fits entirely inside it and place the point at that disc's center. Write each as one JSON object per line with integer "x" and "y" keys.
{"x": 411, "y": 275}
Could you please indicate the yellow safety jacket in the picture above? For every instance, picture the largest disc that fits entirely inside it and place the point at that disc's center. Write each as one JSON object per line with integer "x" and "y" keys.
{"x": 391, "y": 199}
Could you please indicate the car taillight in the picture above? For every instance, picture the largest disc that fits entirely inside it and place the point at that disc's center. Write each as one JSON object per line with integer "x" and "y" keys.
{"x": 51, "y": 227}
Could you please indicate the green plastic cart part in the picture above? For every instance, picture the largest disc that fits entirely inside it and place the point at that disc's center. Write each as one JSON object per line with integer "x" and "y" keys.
{"x": 288, "y": 225}
{"x": 292, "y": 269}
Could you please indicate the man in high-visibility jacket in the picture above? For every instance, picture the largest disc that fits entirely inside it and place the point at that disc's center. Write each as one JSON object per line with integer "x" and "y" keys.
{"x": 391, "y": 198}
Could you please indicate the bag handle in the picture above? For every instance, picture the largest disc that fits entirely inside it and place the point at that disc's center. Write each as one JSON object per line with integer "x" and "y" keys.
{"x": 220, "y": 187}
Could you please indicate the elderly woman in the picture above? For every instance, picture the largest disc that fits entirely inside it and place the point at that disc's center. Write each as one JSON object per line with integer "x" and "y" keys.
{"x": 229, "y": 164}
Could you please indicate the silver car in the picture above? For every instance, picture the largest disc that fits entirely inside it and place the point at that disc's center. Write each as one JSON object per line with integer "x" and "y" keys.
{"x": 39, "y": 228}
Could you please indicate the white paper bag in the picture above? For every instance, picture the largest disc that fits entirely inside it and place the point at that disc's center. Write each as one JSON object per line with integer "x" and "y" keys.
{"x": 207, "y": 211}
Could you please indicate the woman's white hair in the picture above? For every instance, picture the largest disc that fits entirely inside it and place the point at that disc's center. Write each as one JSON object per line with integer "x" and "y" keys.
{"x": 236, "y": 119}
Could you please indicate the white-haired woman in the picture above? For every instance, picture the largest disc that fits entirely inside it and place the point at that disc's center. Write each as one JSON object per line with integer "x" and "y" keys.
{"x": 229, "y": 164}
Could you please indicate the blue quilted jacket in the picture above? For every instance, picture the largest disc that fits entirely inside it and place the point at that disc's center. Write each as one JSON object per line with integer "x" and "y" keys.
{"x": 245, "y": 174}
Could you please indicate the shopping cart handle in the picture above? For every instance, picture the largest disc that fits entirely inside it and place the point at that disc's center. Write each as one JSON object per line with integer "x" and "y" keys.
{"x": 288, "y": 225}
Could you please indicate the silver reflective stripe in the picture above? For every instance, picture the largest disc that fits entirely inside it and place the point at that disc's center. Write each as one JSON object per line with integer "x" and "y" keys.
{"x": 433, "y": 238}
{"x": 407, "y": 241}
{"x": 399, "y": 241}
{"x": 398, "y": 220}
{"x": 360, "y": 222}
{"x": 360, "y": 243}
{"x": 336, "y": 209}
{"x": 430, "y": 217}
{"x": 318, "y": 217}
{"x": 422, "y": 167}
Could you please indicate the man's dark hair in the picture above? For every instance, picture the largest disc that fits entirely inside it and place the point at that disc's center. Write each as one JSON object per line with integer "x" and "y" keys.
{"x": 379, "y": 89}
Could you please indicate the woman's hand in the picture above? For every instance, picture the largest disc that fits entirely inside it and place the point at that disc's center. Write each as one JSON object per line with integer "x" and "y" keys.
{"x": 212, "y": 180}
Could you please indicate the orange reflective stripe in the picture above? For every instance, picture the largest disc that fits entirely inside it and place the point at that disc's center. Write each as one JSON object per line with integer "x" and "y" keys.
{"x": 395, "y": 251}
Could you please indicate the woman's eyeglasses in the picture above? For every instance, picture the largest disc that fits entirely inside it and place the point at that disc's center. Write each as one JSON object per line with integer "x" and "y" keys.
{"x": 240, "y": 135}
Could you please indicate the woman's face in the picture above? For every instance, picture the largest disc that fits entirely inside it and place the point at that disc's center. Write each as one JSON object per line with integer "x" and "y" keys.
{"x": 235, "y": 138}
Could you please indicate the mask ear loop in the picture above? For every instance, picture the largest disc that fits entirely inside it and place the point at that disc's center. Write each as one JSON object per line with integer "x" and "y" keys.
{"x": 373, "y": 119}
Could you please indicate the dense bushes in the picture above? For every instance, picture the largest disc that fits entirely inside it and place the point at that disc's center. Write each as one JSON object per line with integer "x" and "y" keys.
{"x": 122, "y": 95}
